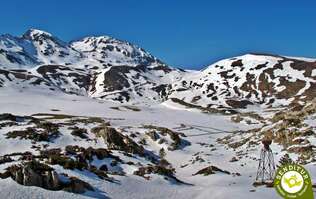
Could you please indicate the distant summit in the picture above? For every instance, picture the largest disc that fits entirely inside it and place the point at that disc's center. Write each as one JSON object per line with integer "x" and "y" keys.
{"x": 110, "y": 69}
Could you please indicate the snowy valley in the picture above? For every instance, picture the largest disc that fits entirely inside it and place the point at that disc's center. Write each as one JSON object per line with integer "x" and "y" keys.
{"x": 103, "y": 118}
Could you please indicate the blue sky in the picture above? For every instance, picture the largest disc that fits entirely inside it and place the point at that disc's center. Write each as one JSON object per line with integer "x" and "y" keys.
{"x": 188, "y": 34}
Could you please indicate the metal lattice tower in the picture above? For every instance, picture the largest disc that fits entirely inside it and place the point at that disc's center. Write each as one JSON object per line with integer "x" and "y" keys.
{"x": 266, "y": 166}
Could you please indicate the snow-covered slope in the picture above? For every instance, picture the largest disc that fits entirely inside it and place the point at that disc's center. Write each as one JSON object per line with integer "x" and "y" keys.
{"x": 39, "y": 47}
{"x": 33, "y": 48}
{"x": 249, "y": 79}
{"x": 110, "y": 69}
{"x": 108, "y": 51}
{"x": 57, "y": 141}
{"x": 100, "y": 67}
{"x": 205, "y": 140}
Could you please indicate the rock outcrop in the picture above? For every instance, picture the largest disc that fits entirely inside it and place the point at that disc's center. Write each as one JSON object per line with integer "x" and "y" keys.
{"x": 37, "y": 174}
{"x": 210, "y": 170}
{"x": 117, "y": 141}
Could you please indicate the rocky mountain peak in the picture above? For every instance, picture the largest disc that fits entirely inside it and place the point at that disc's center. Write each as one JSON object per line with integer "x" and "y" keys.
{"x": 35, "y": 33}
{"x": 43, "y": 38}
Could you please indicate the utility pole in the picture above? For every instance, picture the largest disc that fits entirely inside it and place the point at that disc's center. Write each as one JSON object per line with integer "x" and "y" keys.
{"x": 266, "y": 168}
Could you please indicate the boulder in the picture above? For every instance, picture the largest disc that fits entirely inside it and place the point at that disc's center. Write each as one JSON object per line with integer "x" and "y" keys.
{"x": 77, "y": 186}
{"x": 117, "y": 141}
{"x": 234, "y": 159}
{"x": 37, "y": 174}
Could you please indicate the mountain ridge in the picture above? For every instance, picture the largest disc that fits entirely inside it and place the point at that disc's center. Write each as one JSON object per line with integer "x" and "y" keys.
{"x": 109, "y": 69}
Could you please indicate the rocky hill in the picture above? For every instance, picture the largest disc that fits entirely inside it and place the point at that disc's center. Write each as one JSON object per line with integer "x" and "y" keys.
{"x": 250, "y": 79}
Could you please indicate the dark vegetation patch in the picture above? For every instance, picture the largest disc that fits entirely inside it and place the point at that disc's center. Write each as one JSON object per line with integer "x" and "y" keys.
{"x": 310, "y": 93}
{"x": 237, "y": 63}
{"x": 224, "y": 74}
{"x": 225, "y": 111}
{"x": 308, "y": 67}
{"x": 52, "y": 116}
{"x": 33, "y": 134}
{"x": 60, "y": 74}
{"x": 88, "y": 120}
{"x": 265, "y": 86}
{"x": 260, "y": 66}
{"x": 7, "y": 124}
{"x": 238, "y": 103}
{"x": 13, "y": 118}
{"x": 162, "y": 90}
{"x": 132, "y": 108}
{"x": 116, "y": 79}
{"x": 291, "y": 88}
{"x": 250, "y": 85}
{"x": 80, "y": 158}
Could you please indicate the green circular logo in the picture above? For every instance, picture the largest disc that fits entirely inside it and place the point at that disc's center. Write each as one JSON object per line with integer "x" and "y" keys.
{"x": 292, "y": 181}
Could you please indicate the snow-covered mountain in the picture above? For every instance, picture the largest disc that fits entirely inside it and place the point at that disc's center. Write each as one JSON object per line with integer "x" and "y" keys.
{"x": 37, "y": 47}
{"x": 110, "y": 69}
{"x": 138, "y": 139}
{"x": 250, "y": 79}
{"x": 108, "y": 51}
{"x": 100, "y": 67}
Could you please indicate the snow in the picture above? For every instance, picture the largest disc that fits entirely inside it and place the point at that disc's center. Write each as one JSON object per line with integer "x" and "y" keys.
{"x": 229, "y": 85}
{"x": 302, "y": 58}
{"x": 18, "y": 96}
{"x": 130, "y": 186}
{"x": 32, "y": 32}
{"x": 9, "y": 190}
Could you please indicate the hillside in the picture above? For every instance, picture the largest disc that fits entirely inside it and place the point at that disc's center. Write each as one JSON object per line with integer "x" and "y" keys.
{"x": 250, "y": 79}
{"x": 99, "y": 67}
{"x": 103, "y": 118}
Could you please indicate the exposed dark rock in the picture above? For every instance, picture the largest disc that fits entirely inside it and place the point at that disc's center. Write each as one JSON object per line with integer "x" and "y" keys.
{"x": 77, "y": 186}
{"x": 153, "y": 135}
{"x": 117, "y": 141}
{"x": 224, "y": 111}
{"x": 33, "y": 134}
{"x": 234, "y": 159}
{"x": 210, "y": 170}
{"x": 175, "y": 136}
{"x": 162, "y": 90}
{"x": 80, "y": 132}
{"x": 162, "y": 170}
{"x": 10, "y": 117}
{"x": 5, "y": 159}
{"x": 237, "y": 63}
{"x": 238, "y": 103}
{"x": 103, "y": 168}
{"x": 34, "y": 173}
